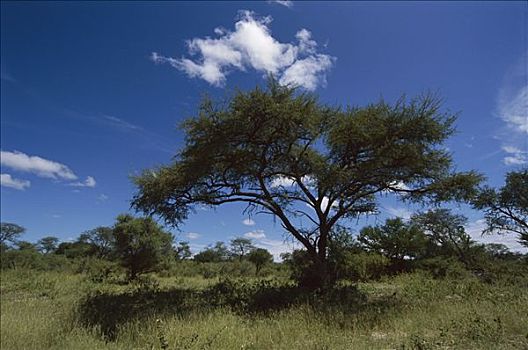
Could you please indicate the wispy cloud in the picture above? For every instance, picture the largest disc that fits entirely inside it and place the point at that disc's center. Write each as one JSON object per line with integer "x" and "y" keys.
{"x": 89, "y": 182}
{"x": 192, "y": 235}
{"x": 400, "y": 212}
{"x": 7, "y": 181}
{"x": 102, "y": 197}
{"x": 512, "y": 108}
{"x": 515, "y": 156}
{"x": 257, "y": 234}
{"x": 251, "y": 46}
{"x": 286, "y": 3}
{"x": 248, "y": 222}
{"x": 475, "y": 229}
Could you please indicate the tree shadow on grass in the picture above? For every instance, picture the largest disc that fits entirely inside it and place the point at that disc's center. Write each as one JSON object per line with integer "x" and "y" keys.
{"x": 108, "y": 311}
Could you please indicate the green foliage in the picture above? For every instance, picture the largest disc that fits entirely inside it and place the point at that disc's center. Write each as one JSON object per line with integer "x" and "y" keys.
{"x": 183, "y": 251}
{"x": 216, "y": 253}
{"x": 74, "y": 250}
{"x": 48, "y": 244}
{"x": 101, "y": 241}
{"x": 240, "y": 247}
{"x": 240, "y": 151}
{"x": 395, "y": 240}
{"x": 446, "y": 233}
{"x": 141, "y": 244}
{"x": 363, "y": 266}
{"x": 9, "y": 232}
{"x": 32, "y": 259}
{"x": 507, "y": 208}
{"x": 260, "y": 257}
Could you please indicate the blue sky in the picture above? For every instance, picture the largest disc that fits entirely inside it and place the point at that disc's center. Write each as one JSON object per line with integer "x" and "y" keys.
{"x": 95, "y": 90}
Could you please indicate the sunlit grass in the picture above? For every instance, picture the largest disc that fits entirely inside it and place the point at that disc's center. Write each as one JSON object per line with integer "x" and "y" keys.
{"x": 41, "y": 310}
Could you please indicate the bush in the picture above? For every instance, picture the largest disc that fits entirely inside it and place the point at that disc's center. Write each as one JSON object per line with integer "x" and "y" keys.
{"x": 444, "y": 267}
{"x": 99, "y": 270}
{"x": 30, "y": 259}
{"x": 362, "y": 266}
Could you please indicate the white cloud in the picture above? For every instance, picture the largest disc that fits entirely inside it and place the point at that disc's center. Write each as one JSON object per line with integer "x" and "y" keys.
{"x": 514, "y": 110}
{"x": 286, "y": 3}
{"x": 283, "y": 181}
{"x": 89, "y": 182}
{"x": 8, "y": 181}
{"x": 277, "y": 247}
{"x": 257, "y": 234}
{"x": 515, "y": 156}
{"x": 308, "y": 72}
{"x": 286, "y": 181}
{"x": 248, "y": 222}
{"x": 192, "y": 235}
{"x": 510, "y": 240}
{"x": 251, "y": 45}
{"x": 36, "y": 165}
{"x": 102, "y": 197}
{"x": 403, "y": 213}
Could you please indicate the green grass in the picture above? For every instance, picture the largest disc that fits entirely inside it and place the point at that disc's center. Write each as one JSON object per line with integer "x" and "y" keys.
{"x": 51, "y": 310}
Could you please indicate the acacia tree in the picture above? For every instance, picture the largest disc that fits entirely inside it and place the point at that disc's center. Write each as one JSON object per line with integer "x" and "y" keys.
{"x": 10, "y": 232}
{"x": 48, "y": 244}
{"x": 395, "y": 239}
{"x": 240, "y": 247}
{"x": 141, "y": 244}
{"x": 260, "y": 257}
{"x": 446, "y": 231}
{"x": 507, "y": 208}
{"x": 283, "y": 153}
{"x": 101, "y": 239}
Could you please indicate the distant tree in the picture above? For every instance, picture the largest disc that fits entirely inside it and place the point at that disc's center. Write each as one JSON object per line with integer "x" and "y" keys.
{"x": 25, "y": 245}
{"x": 10, "y": 232}
{"x": 217, "y": 253}
{"x": 48, "y": 244}
{"x": 183, "y": 251}
{"x": 240, "y": 247}
{"x": 446, "y": 231}
{"x": 101, "y": 239}
{"x": 280, "y": 151}
{"x": 260, "y": 257}
{"x": 507, "y": 208}
{"x": 395, "y": 240}
{"x": 141, "y": 244}
{"x": 75, "y": 249}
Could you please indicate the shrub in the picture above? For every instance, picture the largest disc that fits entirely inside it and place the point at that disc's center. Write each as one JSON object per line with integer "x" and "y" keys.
{"x": 363, "y": 266}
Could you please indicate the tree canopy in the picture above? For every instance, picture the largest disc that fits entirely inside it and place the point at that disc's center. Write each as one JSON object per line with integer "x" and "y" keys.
{"x": 141, "y": 244}
{"x": 10, "y": 232}
{"x": 283, "y": 153}
{"x": 507, "y": 208}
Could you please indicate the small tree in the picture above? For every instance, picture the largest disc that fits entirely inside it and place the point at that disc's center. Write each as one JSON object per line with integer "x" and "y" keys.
{"x": 25, "y": 245}
{"x": 183, "y": 251}
{"x": 101, "y": 239}
{"x": 395, "y": 240}
{"x": 141, "y": 244}
{"x": 446, "y": 232}
{"x": 260, "y": 257}
{"x": 10, "y": 232}
{"x": 240, "y": 247}
{"x": 217, "y": 253}
{"x": 507, "y": 208}
{"x": 48, "y": 244}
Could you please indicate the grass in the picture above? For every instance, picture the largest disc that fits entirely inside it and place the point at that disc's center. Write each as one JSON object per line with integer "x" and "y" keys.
{"x": 52, "y": 310}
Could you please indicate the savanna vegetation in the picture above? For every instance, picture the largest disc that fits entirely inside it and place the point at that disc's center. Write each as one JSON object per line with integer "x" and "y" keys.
{"x": 421, "y": 283}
